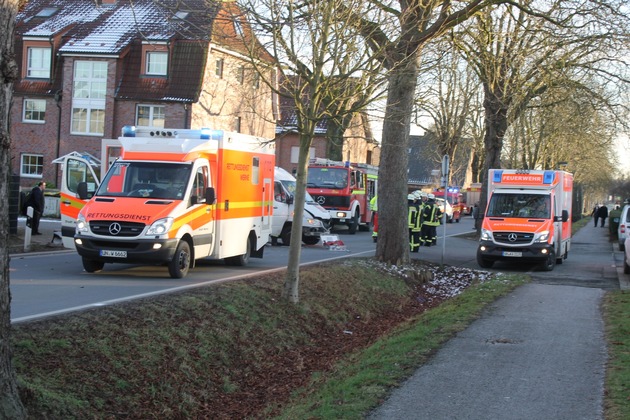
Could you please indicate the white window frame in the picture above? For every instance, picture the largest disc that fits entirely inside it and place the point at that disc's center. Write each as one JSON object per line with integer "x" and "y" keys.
{"x": 38, "y": 166}
{"x": 152, "y": 118}
{"x": 156, "y": 63}
{"x": 38, "y": 62}
{"x": 88, "y": 98}
{"x": 34, "y": 107}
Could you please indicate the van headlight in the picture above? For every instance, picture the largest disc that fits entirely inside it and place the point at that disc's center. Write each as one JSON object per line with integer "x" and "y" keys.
{"x": 312, "y": 223}
{"x": 82, "y": 226}
{"x": 486, "y": 235}
{"x": 542, "y": 237}
{"x": 160, "y": 227}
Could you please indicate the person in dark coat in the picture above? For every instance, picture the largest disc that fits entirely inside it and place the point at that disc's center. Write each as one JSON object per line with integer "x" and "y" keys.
{"x": 602, "y": 213}
{"x": 595, "y": 215}
{"x": 36, "y": 200}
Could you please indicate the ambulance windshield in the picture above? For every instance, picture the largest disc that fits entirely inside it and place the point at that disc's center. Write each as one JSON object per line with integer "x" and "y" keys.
{"x": 146, "y": 179}
{"x": 519, "y": 205}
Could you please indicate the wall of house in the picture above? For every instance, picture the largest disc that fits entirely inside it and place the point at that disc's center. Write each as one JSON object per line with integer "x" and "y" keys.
{"x": 227, "y": 103}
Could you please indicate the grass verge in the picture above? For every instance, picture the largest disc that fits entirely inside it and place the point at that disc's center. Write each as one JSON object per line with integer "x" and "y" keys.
{"x": 237, "y": 350}
{"x": 616, "y": 316}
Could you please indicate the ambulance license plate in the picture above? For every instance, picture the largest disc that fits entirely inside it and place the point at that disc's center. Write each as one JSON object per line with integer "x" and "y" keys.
{"x": 115, "y": 254}
{"x": 512, "y": 254}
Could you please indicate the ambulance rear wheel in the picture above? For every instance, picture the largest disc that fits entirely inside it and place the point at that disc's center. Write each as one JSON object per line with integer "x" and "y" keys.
{"x": 180, "y": 264}
{"x": 92, "y": 266}
{"x": 241, "y": 260}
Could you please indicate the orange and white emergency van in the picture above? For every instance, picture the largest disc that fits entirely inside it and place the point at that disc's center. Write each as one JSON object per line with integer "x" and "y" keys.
{"x": 528, "y": 217}
{"x": 172, "y": 196}
{"x": 344, "y": 189}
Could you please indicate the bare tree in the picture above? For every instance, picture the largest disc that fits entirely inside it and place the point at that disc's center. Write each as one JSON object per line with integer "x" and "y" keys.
{"x": 519, "y": 54}
{"x": 329, "y": 76}
{"x": 398, "y": 35}
{"x": 445, "y": 96}
{"x": 10, "y": 405}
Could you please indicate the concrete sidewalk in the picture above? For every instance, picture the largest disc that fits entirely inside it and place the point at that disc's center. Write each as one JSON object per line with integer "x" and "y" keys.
{"x": 49, "y": 240}
{"x": 538, "y": 353}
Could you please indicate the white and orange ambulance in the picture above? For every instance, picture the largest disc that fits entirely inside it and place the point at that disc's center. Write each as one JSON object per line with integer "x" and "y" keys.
{"x": 528, "y": 217}
{"x": 172, "y": 196}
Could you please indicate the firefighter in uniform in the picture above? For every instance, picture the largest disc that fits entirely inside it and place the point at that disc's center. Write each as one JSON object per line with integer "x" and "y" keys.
{"x": 374, "y": 209}
{"x": 415, "y": 229}
{"x": 421, "y": 207}
{"x": 412, "y": 220}
{"x": 431, "y": 216}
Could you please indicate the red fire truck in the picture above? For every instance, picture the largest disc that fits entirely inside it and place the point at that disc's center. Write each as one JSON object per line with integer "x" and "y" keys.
{"x": 455, "y": 198}
{"x": 345, "y": 190}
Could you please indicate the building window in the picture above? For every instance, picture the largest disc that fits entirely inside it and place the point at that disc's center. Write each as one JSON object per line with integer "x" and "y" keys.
{"x": 150, "y": 116}
{"x": 237, "y": 124}
{"x": 295, "y": 153}
{"x": 88, "y": 97}
{"x": 256, "y": 81}
{"x": 34, "y": 111}
{"x": 38, "y": 62}
{"x": 156, "y": 63}
{"x": 32, "y": 166}
{"x": 240, "y": 74}
{"x": 219, "y": 68}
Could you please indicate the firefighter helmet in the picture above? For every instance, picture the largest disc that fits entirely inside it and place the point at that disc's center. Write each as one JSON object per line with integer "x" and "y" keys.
{"x": 410, "y": 197}
{"x": 431, "y": 196}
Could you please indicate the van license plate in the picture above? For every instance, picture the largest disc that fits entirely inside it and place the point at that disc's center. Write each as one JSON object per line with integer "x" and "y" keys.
{"x": 115, "y": 254}
{"x": 512, "y": 254}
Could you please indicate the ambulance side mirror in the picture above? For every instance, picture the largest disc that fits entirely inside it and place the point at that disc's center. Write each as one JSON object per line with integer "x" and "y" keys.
{"x": 563, "y": 218}
{"x": 289, "y": 199}
{"x": 210, "y": 196}
{"x": 82, "y": 190}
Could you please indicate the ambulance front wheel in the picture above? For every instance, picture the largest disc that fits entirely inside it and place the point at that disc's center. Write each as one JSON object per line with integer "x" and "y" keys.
{"x": 180, "y": 264}
{"x": 484, "y": 262}
{"x": 92, "y": 266}
{"x": 550, "y": 262}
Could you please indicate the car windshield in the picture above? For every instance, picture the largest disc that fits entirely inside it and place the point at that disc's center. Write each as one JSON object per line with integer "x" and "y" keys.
{"x": 290, "y": 186}
{"x": 334, "y": 178}
{"x": 146, "y": 179}
{"x": 519, "y": 205}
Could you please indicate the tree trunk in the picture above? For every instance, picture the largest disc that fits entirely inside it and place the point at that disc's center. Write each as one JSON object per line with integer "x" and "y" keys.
{"x": 292, "y": 280}
{"x": 393, "y": 237}
{"x": 10, "y": 405}
{"x": 334, "y": 138}
{"x": 496, "y": 110}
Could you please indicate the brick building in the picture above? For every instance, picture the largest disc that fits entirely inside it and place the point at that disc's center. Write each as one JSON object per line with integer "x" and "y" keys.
{"x": 88, "y": 68}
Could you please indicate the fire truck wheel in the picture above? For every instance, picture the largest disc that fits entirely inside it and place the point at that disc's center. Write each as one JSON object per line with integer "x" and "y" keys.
{"x": 92, "y": 266}
{"x": 180, "y": 264}
{"x": 354, "y": 223}
{"x": 310, "y": 240}
{"x": 240, "y": 260}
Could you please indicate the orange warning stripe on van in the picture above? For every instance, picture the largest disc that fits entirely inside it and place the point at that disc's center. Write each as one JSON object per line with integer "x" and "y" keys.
{"x": 70, "y": 205}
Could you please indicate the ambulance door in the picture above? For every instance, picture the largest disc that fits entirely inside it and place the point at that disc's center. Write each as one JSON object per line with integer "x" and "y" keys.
{"x": 78, "y": 184}
{"x": 202, "y": 213}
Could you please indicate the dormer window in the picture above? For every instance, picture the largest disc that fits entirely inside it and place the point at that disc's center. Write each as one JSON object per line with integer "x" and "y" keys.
{"x": 38, "y": 62}
{"x": 155, "y": 59}
{"x": 46, "y": 12}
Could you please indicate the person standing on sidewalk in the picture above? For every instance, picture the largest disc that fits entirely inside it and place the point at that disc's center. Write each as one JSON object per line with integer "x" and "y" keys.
{"x": 602, "y": 213}
{"x": 37, "y": 201}
{"x": 595, "y": 215}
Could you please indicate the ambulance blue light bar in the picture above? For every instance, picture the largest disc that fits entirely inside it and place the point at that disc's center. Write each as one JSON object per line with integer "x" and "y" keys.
{"x": 129, "y": 131}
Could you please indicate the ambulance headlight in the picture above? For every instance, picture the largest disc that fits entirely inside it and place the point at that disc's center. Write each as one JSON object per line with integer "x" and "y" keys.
{"x": 82, "y": 226}
{"x": 486, "y": 235}
{"x": 160, "y": 227}
{"x": 542, "y": 237}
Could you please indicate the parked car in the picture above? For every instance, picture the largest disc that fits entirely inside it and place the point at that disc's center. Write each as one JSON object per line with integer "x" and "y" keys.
{"x": 626, "y": 256}
{"x": 449, "y": 209}
{"x": 623, "y": 230}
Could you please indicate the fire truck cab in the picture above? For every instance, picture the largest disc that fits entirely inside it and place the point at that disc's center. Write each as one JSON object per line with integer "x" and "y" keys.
{"x": 344, "y": 189}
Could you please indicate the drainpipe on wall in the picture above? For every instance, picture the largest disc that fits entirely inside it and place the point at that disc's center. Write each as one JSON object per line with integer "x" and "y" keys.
{"x": 57, "y": 102}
